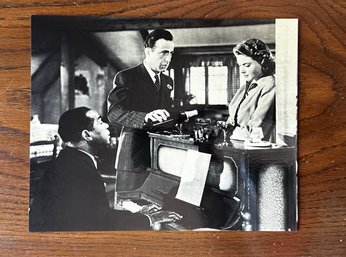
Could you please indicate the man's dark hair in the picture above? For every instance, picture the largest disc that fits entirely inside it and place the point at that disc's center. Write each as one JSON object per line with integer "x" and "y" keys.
{"x": 73, "y": 122}
{"x": 156, "y": 35}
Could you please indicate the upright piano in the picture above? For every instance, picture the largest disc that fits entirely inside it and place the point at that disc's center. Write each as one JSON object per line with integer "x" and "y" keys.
{"x": 245, "y": 189}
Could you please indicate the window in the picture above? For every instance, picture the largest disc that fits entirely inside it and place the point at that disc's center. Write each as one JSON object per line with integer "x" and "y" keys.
{"x": 217, "y": 85}
{"x": 196, "y": 85}
{"x": 208, "y": 84}
{"x": 204, "y": 78}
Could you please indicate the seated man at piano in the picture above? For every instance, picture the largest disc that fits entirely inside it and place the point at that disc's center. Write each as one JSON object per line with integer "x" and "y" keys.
{"x": 72, "y": 196}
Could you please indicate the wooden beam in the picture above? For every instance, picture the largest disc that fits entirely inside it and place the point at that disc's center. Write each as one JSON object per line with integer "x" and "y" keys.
{"x": 67, "y": 74}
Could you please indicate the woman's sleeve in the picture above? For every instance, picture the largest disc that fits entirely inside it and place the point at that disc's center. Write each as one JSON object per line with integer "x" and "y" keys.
{"x": 264, "y": 115}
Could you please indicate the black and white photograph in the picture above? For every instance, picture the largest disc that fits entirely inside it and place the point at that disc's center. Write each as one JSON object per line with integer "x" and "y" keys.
{"x": 163, "y": 124}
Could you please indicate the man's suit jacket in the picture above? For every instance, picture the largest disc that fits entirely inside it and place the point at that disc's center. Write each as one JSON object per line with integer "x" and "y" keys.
{"x": 133, "y": 96}
{"x": 257, "y": 109}
{"x": 72, "y": 197}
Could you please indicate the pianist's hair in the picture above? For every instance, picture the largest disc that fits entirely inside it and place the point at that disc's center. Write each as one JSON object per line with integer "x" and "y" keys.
{"x": 73, "y": 122}
{"x": 156, "y": 35}
{"x": 258, "y": 51}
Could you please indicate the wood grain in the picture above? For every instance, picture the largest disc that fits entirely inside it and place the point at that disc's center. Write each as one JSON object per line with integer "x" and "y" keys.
{"x": 322, "y": 177}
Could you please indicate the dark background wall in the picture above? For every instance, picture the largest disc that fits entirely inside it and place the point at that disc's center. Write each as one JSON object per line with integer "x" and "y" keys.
{"x": 321, "y": 145}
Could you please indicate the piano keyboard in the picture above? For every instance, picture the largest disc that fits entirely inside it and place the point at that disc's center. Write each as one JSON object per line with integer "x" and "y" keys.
{"x": 131, "y": 206}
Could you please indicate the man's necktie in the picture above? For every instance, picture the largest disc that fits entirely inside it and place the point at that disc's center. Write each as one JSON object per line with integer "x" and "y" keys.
{"x": 157, "y": 82}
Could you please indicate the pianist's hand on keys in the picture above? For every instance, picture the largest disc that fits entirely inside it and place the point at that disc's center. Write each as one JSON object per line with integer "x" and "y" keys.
{"x": 164, "y": 216}
{"x": 150, "y": 208}
{"x": 144, "y": 209}
{"x": 154, "y": 213}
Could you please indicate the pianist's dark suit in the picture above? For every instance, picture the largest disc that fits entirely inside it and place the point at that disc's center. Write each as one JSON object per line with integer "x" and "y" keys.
{"x": 73, "y": 198}
{"x": 133, "y": 96}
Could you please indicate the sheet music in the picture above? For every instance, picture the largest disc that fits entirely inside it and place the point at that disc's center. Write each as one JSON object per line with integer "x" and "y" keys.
{"x": 193, "y": 177}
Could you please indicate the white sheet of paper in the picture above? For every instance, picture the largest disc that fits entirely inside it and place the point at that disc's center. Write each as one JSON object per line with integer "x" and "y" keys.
{"x": 193, "y": 177}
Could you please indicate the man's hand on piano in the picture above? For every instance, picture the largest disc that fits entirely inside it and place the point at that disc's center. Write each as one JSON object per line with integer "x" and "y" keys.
{"x": 164, "y": 216}
{"x": 149, "y": 209}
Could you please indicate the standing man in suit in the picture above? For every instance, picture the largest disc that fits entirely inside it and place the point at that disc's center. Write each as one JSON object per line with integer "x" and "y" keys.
{"x": 140, "y": 94}
{"x": 72, "y": 196}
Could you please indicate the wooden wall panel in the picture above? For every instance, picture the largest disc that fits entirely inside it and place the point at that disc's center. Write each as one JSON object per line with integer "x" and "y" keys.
{"x": 322, "y": 183}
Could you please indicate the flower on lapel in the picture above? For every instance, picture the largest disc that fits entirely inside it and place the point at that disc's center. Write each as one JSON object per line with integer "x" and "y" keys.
{"x": 169, "y": 86}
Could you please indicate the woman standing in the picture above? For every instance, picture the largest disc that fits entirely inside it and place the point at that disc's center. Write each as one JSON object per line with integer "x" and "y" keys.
{"x": 253, "y": 105}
